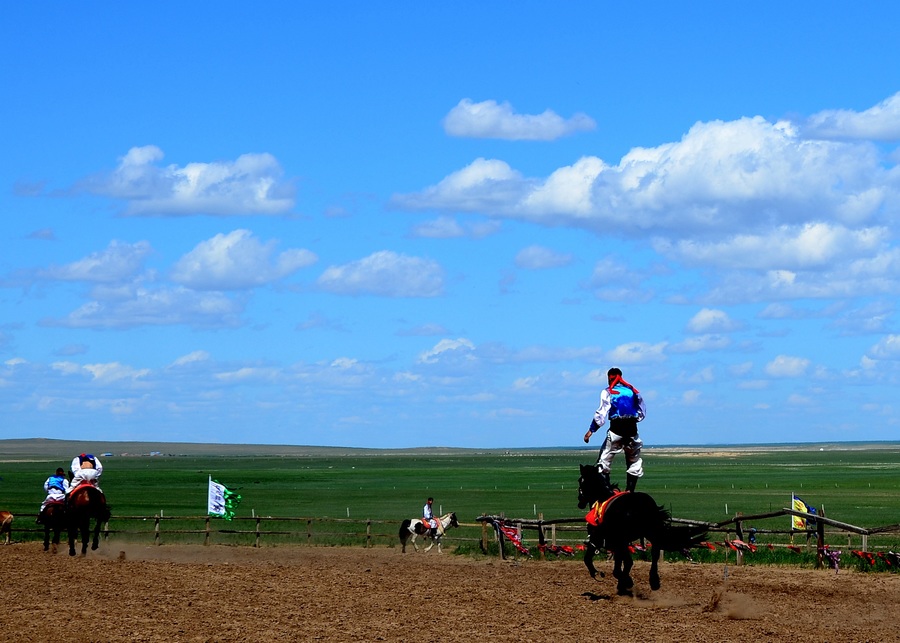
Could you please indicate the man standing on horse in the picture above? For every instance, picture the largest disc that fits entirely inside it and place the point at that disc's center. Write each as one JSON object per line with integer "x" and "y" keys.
{"x": 56, "y": 487}
{"x": 621, "y": 403}
{"x": 86, "y": 468}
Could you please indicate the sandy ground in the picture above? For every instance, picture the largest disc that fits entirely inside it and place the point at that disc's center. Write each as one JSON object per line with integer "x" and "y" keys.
{"x": 194, "y": 593}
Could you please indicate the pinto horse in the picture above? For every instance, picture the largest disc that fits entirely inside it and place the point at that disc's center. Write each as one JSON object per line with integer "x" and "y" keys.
{"x": 411, "y": 528}
{"x": 624, "y": 518}
{"x": 53, "y": 517}
{"x": 86, "y": 502}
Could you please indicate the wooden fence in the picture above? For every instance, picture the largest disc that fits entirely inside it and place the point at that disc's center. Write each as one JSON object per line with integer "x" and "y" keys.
{"x": 732, "y": 525}
{"x": 160, "y": 529}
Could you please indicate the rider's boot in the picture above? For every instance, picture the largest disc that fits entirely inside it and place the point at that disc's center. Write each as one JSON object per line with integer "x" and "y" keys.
{"x": 631, "y": 482}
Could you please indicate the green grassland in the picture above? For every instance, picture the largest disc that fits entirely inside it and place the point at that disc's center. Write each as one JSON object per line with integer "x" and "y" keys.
{"x": 856, "y": 484}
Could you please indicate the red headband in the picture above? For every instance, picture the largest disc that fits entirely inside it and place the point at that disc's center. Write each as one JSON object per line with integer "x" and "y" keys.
{"x": 618, "y": 380}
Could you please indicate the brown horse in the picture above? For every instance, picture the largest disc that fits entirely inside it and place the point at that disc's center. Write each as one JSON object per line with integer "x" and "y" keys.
{"x": 53, "y": 517}
{"x": 6, "y": 519}
{"x": 86, "y": 503}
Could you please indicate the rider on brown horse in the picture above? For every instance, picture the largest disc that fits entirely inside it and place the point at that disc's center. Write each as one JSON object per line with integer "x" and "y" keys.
{"x": 56, "y": 487}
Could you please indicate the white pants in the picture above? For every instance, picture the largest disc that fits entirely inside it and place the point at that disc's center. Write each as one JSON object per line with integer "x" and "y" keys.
{"x": 55, "y": 495}
{"x": 85, "y": 475}
{"x": 616, "y": 444}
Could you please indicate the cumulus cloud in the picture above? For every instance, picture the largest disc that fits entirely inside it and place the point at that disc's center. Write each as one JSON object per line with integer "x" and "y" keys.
{"x": 638, "y": 353}
{"x": 709, "y": 320}
{"x": 155, "y": 307}
{"x": 808, "y": 246}
{"x": 880, "y": 122}
{"x": 251, "y": 184}
{"x": 452, "y": 350}
{"x": 887, "y": 348}
{"x": 702, "y": 343}
{"x": 787, "y": 366}
{"x": 119, "y": 262}
{"x": 747, "y": 174}
{"x": 489, "y": 119}
{"x": 105, "y": 373}
{"x": 386, "y": 274}
{"x": 539, "y": 258}
{"x": 236, "y": 261}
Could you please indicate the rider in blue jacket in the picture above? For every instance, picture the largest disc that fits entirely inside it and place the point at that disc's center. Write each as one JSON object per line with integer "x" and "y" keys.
{"x": 623, "y": 406}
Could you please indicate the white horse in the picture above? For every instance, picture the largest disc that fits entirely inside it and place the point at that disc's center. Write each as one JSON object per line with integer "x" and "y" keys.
{"x": 411, "y": 528}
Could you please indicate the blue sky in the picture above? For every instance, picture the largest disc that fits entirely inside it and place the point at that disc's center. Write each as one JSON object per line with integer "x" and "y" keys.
{"x": 395, "y": 225}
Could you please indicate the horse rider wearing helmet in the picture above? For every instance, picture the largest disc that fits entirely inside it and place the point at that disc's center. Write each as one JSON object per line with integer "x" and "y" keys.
{"x": 86, "y": 468}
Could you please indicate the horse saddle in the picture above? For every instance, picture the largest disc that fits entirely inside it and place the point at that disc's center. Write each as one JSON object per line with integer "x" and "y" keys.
{"x": 598, "y": 509}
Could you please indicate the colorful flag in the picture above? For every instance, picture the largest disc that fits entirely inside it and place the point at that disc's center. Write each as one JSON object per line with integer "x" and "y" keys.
{"x": 797, "y": 504}
{"x": 222, "y": 501}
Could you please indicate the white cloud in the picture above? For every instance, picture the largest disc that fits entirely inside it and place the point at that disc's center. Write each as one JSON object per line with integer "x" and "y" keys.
{"x": 449, "y": 228}
{"x": 809, "y": 246}
{"x": 721, "y": 176}
{"x": 880, "y": 122}
{"x": 709, "y": 320}
{"x": 386, "y": 274}
{"x": 251, "y": 184}
{"x": 787, "y": 366}
{"x": 155, "y": 307}
{"x": 119, "y": 262}
{"x": 701, "y": 343}
{"x": 690, "y": 397}
{"x": 489, "y": 119}
{"x": 237, "y": 260}
{"x": 192, "y": 358}
{"x": 887, "y": 348}
{"x": 638, "y": 353}
{"x": 539, "y": 258}
{"x": 457, "y": 349}
{"x": 102, "y": 373}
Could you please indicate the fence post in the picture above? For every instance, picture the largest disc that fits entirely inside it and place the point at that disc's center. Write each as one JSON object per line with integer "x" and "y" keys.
{"x": 156, "y": 531}
{"x": 739, "y": 534}
{"x": 541, "y": 543}
{"x": 309, "y": 531}
{"x": 206, "y": 537}
{"x": 484, "y": 533}
{"x": 257, "y": 532}
{"x": 368, "y": 533}
{"x": 820, "y": 542}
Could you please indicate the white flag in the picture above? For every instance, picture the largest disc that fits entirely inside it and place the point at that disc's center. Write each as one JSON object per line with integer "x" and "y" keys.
{"x": 222, "y": 501}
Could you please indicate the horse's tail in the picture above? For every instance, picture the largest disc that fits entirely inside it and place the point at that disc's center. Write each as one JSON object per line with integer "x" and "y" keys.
{"x": 404, "y": 530}
{"x": 679, "y": 538}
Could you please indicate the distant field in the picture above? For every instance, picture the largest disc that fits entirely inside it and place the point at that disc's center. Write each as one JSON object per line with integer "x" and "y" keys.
{"x": 855, "y": 484}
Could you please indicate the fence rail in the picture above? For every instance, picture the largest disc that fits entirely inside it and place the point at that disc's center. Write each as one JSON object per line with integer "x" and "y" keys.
{"x": 160, "y": 529}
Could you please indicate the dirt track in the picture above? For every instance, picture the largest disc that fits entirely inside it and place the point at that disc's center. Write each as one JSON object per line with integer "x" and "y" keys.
{"x": 195, "y": 593}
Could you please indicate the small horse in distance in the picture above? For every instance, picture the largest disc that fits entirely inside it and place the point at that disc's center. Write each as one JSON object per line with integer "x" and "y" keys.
{"x": 625, "y": 517}
{"x": 6, "y": 519}
{"x": 53, "y": 517}
{"x": 413, "y": 527}
{"x": 86, "y": 502}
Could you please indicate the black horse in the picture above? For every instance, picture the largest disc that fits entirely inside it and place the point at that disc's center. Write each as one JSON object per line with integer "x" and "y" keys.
{"x": 85, "y": 503}
{"x": 53, "y": 517}
{"x": 627, "y": 517}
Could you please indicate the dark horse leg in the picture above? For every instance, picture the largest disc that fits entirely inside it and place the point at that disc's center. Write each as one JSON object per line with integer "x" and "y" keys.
{"x": 654, "y": 568}
{"x": 622, "y": 570}
{"x": 590, "y": 550}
